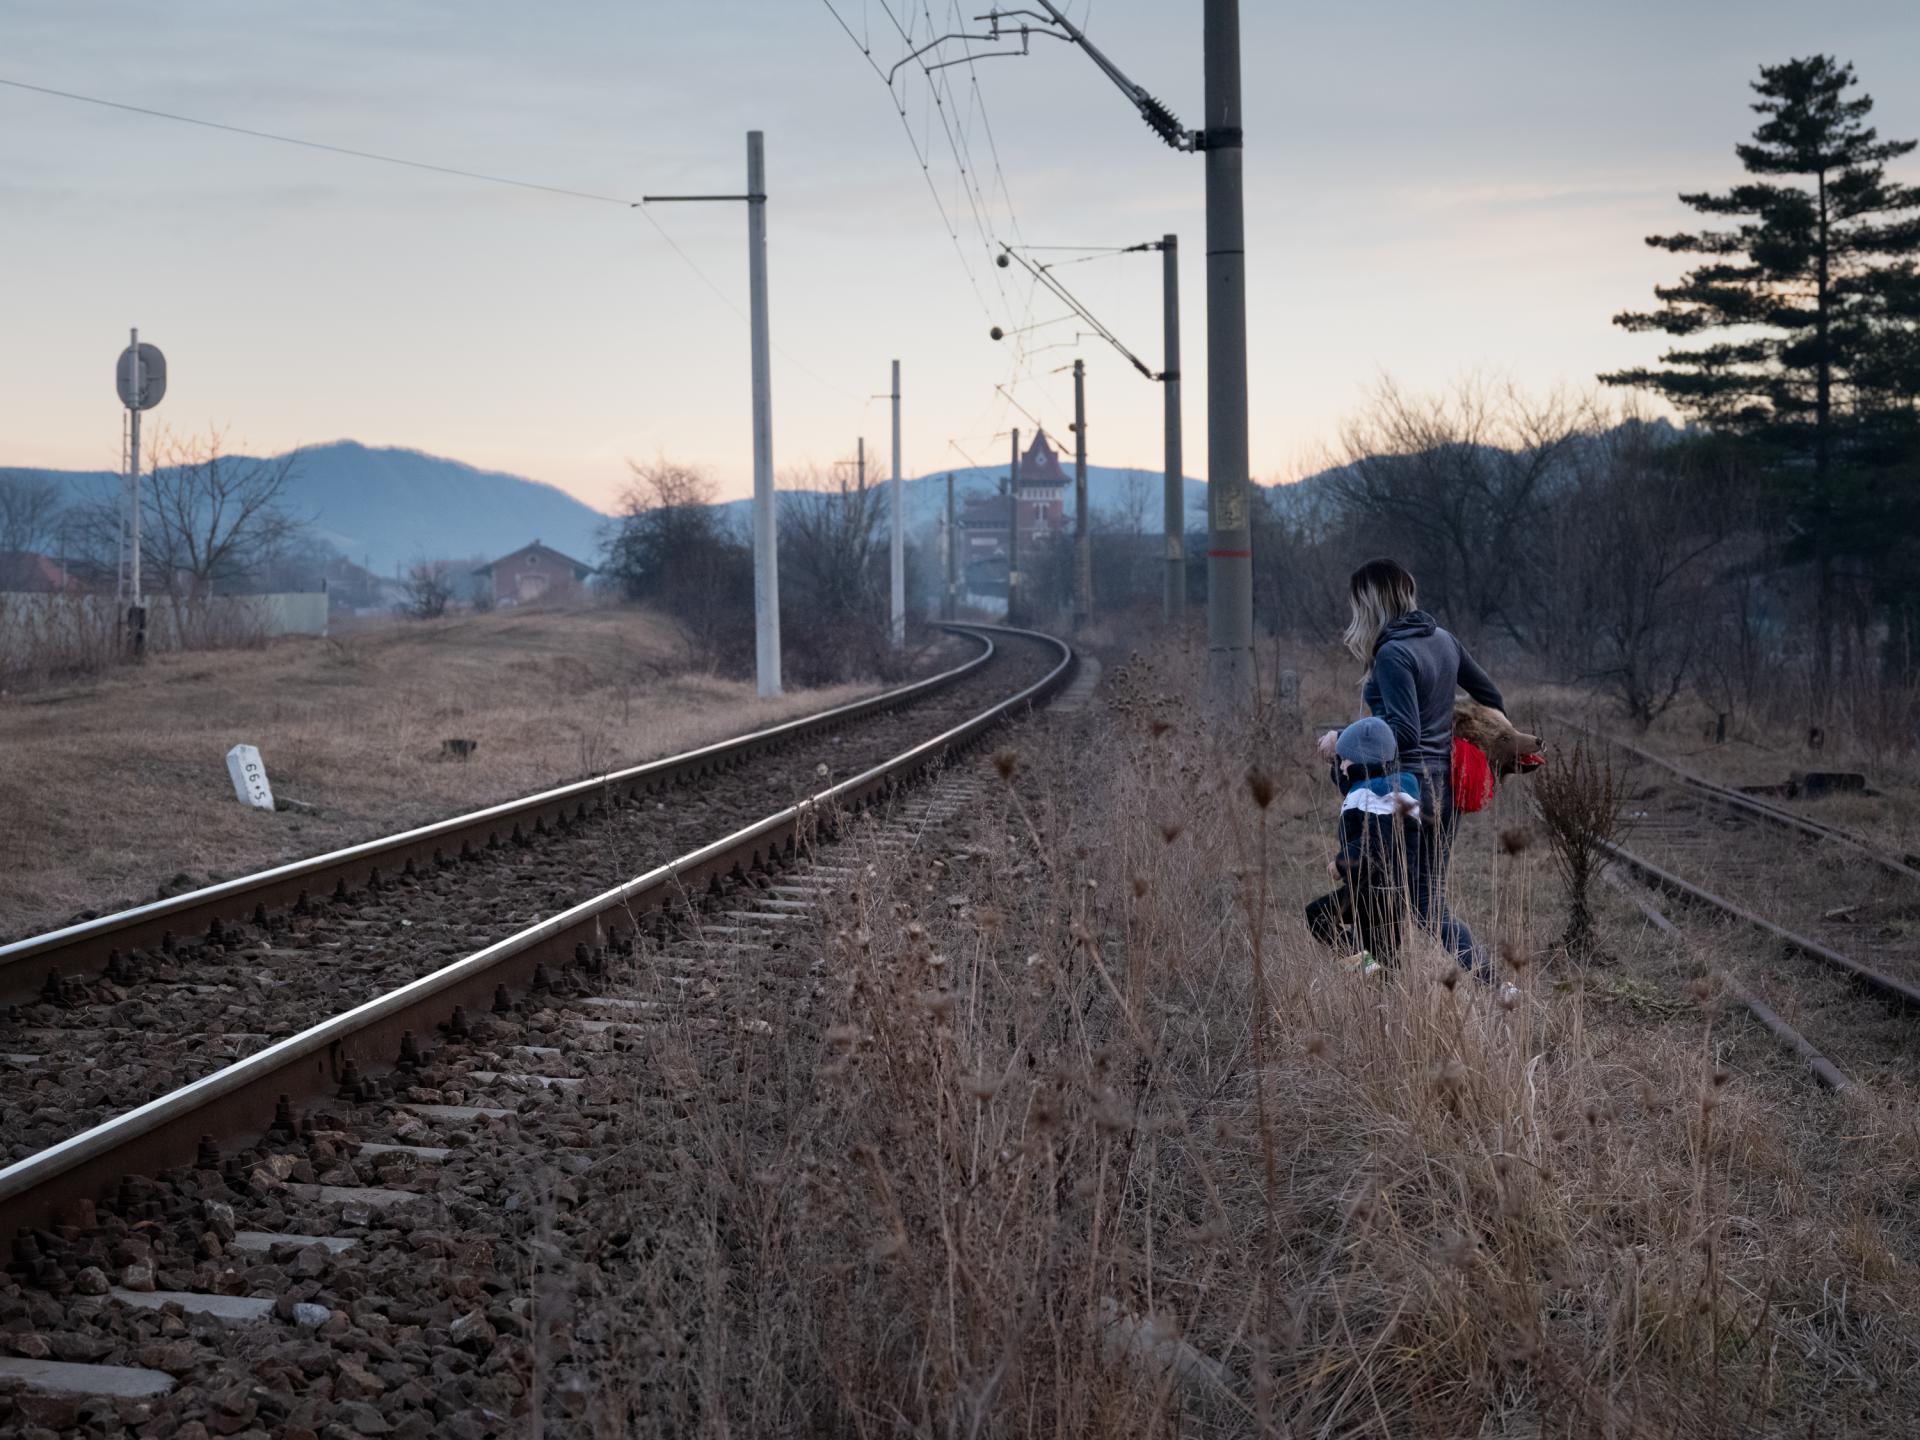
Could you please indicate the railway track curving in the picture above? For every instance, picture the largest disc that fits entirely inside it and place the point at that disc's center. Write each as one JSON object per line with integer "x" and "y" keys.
{"x": 341, "y": 986}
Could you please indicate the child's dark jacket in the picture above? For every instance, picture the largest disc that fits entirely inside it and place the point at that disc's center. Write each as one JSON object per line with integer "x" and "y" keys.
{"x": 1378, "y": 817}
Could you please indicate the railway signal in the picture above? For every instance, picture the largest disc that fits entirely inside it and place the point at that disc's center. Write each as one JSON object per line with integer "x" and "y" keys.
{"x": 141, "y": 378}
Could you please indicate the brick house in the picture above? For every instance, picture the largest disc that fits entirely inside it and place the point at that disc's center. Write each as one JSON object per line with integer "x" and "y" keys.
{"x": 533, "y": 573}
{"x": 25, "y": 571}
{"x": 1043, "y": 510}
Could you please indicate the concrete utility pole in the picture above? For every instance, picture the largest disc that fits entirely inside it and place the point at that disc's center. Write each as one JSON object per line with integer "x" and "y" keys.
{"x": 1230, "y": 539}
{"x": 766, "y": 521}
{"x": 1013, "y": 533}
{"x": 952, "y": 609}
{"x": 899, "y": 608}
{"x": 1174, "y": 602}
{"x": 860, "y": 464}
{"x": 1082, "y": 532}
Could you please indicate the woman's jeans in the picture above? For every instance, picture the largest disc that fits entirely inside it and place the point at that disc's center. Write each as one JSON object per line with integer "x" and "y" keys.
{"x": 1429, "y": 883}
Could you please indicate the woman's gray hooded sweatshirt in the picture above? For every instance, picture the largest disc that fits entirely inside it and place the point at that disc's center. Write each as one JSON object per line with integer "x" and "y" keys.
{"x": 1416, "y": 668}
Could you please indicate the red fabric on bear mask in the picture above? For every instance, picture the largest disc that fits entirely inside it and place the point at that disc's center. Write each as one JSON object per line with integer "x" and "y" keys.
{"x": 1472, "y": 777}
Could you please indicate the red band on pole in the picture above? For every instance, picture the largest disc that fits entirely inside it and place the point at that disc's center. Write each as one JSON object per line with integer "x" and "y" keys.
{"x": 1229, "y": 554}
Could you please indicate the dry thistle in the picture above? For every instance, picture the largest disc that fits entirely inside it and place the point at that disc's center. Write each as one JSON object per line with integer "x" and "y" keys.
{"x": 1140, "y": 887}
{"x": 1516, "y": 839}
{"x": 1316, "y": 1046}
{"x": 1260, "y": 786}
{"x": 1449, "y": 975}
{"x": 1159, "y": 727}
{"x": 1170, "y": 830}
{"x": 1514, "y": 957}
{"x": 1006, "y": 762}
{"x": 1702, "y": 989}
{"x": 1455, "y": 1249}
{"x": 937, "y": 1003}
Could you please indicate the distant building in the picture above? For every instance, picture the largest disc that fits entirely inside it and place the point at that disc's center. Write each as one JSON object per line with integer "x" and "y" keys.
{"x": 28, "y": 572}
{"x": 534, "y": 572}
{"x": 1042, "y": 513}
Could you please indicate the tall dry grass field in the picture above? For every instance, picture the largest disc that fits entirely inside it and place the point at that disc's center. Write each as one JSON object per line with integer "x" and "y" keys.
{"x": 1079, "y": 1134}
{"x": 115, "y": 787}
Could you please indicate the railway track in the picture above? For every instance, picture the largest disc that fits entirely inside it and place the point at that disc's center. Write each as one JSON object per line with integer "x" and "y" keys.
{"x": 84, "y": 949}
{"x": 554, "y": 919}
{"x": 147, "y": 1019}
{"x": 1784, "y": 884}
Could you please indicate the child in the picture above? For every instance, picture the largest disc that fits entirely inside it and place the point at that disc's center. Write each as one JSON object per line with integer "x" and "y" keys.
{"x": 1379, "y": 821}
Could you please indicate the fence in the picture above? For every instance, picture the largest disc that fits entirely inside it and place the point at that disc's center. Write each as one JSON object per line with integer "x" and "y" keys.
{"x": 44, "y": 634}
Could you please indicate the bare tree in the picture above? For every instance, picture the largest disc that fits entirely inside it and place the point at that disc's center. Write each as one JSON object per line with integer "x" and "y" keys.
{"x": 1452, "y": 483}
{"x": 833, "y": 546}
{"x": 670, "y": 548}
{"x": 1632, "y": 565}
{"x": 833, "y": 570}
{"x": 30, "y": 509}
{"x": 429, "y": 586}
{"x": 207, "y": 516}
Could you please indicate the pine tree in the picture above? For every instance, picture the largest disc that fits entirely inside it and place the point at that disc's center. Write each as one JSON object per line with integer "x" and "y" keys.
{"x": 1815, "y": 282}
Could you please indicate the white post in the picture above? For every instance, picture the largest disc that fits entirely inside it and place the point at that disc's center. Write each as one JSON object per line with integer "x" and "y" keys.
{"x": 766, "y": 559}
{"x": 899, "y": 610}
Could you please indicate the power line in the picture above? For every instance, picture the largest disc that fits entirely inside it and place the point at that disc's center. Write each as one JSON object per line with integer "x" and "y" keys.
{"x": 315, "y": 144}
{"x": 437, "y": 169}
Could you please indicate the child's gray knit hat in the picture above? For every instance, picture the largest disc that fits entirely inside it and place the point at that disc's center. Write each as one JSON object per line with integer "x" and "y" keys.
{"x": 1367, "y": 742}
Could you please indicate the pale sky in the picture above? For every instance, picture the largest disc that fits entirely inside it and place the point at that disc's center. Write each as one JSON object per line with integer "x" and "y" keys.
{"x": 1431, "y": 190}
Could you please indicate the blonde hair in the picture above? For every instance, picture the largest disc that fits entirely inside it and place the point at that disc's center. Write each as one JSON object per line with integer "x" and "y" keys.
{"x": 1381, "y": 591}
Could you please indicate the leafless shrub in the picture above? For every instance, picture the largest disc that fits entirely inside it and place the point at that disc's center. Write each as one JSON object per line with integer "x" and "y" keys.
{"x": 1579, "y": 801}
{"x": 429, "y": 589}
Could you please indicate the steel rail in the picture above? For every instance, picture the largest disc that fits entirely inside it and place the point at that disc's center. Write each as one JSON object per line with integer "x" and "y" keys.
{"x": 1816, "y": 828}
{"x": 83, "y": 948}
{"x": 241, "y": 1098}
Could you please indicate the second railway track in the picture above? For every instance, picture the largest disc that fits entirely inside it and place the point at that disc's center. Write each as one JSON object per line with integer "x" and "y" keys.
{"x": 1820, "y": 926}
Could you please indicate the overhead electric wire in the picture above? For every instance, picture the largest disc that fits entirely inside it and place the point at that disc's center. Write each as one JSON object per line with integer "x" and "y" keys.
{"x": 453, "y": 170}
{"x": 316, "y": 144}
{"x": 980, "y": 204}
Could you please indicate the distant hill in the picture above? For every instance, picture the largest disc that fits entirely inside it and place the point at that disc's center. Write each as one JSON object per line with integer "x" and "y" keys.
{"x": 386, "y": 507}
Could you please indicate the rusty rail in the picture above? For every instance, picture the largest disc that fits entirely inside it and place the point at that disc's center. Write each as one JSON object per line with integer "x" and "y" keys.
{"x": 1824, "y": 1070}
{"x": 1818, "y": 829}
{"x": 1887, "y": 985}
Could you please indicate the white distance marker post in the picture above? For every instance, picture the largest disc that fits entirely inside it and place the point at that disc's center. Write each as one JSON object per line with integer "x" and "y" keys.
{"x": 249, "y": 774}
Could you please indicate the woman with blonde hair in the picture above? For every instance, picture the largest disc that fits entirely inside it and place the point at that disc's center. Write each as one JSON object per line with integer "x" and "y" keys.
{"x": 1413, "y": 670}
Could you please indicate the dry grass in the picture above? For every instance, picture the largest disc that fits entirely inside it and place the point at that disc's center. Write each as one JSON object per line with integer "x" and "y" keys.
{"x": 116, "y": 786}
{"x": 1090, "y": 1139}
